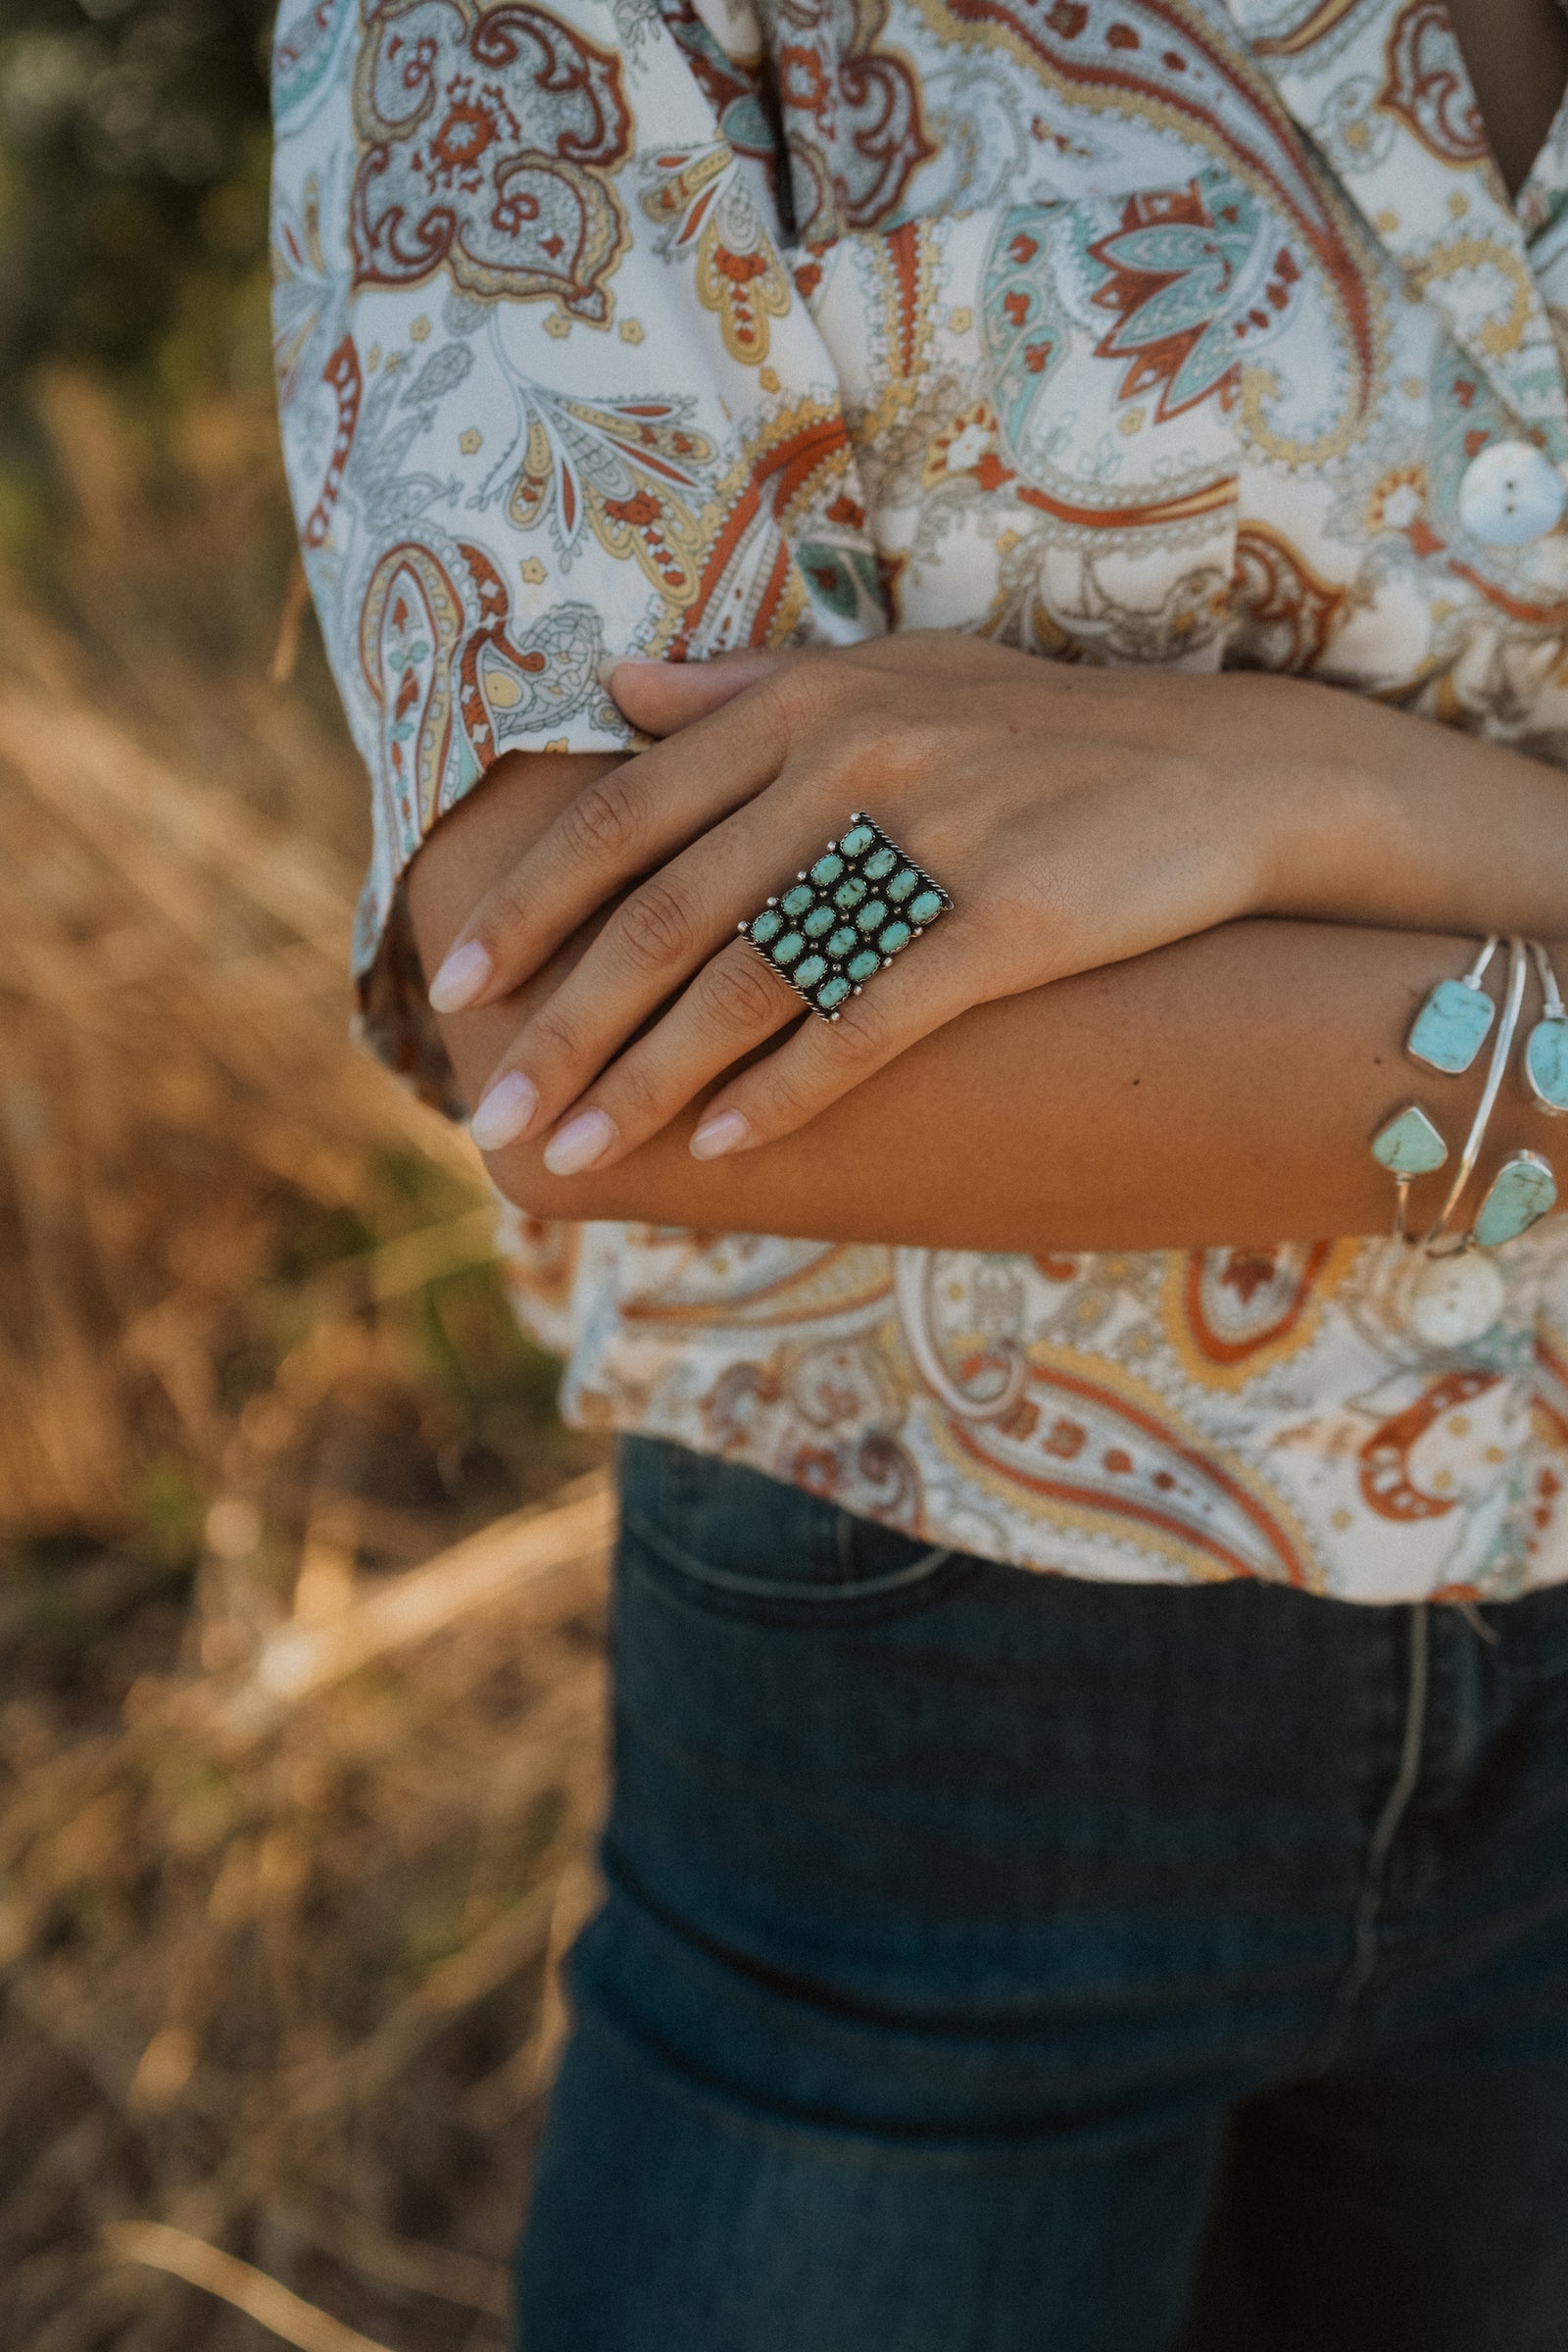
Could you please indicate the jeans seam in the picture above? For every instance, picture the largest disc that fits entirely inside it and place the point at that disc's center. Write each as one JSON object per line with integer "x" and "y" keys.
{"x": 1373, "y": 1891}
{"x": 754, "y": 1588}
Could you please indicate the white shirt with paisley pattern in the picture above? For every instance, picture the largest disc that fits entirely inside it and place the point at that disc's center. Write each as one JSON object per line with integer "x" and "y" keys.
{"x": 1157, "y": 331}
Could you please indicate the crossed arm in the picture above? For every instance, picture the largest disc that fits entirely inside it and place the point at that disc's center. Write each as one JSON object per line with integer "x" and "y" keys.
{"x": 1218, "y": 1089}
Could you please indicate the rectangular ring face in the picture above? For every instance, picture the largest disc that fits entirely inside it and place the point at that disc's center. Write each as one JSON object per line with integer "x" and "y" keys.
{"x": 844, "y": 919}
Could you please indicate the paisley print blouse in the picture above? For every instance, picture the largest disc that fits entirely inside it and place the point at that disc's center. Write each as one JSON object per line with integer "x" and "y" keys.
{"x": 1159, "y": 331}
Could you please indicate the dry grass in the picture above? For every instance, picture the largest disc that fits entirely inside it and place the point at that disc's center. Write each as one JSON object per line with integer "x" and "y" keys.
{"x": 301, "y": 1584}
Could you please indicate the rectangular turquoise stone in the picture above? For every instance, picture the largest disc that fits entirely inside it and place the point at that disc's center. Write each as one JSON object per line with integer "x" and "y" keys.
{"x": 1451, "y": 1027}
{"x": 1547, "y": 1061}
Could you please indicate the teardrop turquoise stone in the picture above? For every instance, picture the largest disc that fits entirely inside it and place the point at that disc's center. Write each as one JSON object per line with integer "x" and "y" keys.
{"x": 856, "y": 839}
{"x": 788, "y": 948}
{"x": 1521, "y": 1192}
{"x": 1410, "y": 1145}
{"x": 902, "y": 884}
{"x": 894, "y": 937}
{"x": 880, "y": 864}
{"x": 833, "y": 992}
{"x": 809, "y": 973}
{"x": 926, "y": 907}
{"x": 842, "y": 941}
{"x": 768, "y": 925}
{"x": 821, "y": 919}
{"x": 862, "y": 966}
{"x": 871, "y": 917}
{"x": 1451, "y": 1027}
{"x": 1546, "y": 1059}
{"x": 849, "y": 894}
{"x": 798, "y": 898}
{"x": 828, "y": 868}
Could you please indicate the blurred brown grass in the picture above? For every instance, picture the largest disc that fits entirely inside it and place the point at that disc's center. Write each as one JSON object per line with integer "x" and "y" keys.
{"x": 301, "y": 1581}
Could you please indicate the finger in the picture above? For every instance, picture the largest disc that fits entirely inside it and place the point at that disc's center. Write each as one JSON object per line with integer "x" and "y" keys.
{"x": 662, "y": 697}
{"x": 625, "y": 824}
{"x": 652, "y": 942}
{"x": 827, "y": 1060}
{"x": 736, "y": 1002}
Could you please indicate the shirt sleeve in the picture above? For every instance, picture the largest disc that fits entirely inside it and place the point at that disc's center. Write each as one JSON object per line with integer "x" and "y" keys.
{"x": 548, "y": 392}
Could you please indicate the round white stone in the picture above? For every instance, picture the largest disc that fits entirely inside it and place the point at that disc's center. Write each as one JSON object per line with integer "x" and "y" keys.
{"x": 1455, "y": 1299}
{"x": 1510, "y": 494}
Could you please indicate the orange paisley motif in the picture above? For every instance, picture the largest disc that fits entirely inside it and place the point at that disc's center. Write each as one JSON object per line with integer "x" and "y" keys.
{"x": 1285, "y": 611}
{"x": 1428, "y": 87}
{"x": 486, "y": 137}
{"x": 1386, "y": 1482}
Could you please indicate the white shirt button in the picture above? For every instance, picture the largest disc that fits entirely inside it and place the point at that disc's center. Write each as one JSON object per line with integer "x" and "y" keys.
{"x": 1510, "y": 494}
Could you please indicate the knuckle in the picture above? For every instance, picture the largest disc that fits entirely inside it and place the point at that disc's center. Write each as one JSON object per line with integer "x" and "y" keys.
{"x": 552, "y": 1038}
{"x": 738, "y": 993}
{"x": 654, "y": 926}
{"x": 781, "y": 1099}
{"x": 638, "y": 1096}
{"x": 506, "y": 909}
{"x": 858, "y": 1037}
{"x": 600, "y": 826}
{"x": 803, "y": 690}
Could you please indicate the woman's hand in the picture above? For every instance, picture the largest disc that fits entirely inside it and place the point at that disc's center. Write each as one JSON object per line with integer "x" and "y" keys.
{"x": 1076, "y": 816}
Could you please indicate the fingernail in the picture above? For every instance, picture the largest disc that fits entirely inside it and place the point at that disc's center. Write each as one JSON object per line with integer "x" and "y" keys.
{"x": 460, "y": 978}
{"x": 716, "y": 1136}
{"x": 577, "y": 1145}
{"x": 505, "y": 1112}
{"x": 606, "y": 668}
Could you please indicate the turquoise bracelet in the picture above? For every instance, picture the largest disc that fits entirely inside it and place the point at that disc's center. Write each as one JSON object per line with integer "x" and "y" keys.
{"x": 1547, "y": 1047}
{"x": 1454, "y": 1292}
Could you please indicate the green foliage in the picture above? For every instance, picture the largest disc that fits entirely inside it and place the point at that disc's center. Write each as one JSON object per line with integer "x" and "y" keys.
{"x": 133, "y": 180}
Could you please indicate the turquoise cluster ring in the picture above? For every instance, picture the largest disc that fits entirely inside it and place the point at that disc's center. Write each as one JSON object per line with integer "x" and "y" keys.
{"x": 843, "y": 917}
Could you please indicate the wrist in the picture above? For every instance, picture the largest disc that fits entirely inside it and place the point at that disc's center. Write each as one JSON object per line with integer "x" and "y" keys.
{"x": 1318, "y": 822}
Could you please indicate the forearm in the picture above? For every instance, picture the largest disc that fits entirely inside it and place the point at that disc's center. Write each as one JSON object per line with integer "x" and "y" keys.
{"x": 1396, "y": 821}
{"x": 1219, "y": 1091}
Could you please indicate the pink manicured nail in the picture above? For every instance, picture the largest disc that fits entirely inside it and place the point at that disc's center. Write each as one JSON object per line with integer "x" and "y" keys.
{"x": 714, "y": 1137}
{"x": 460, "y": 978}
{"x": 505, "y": 1112}
{"x": 577, "y": 1145}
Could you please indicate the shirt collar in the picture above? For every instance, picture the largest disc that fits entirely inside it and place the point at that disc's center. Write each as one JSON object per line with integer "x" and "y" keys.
{"x": 1382, "y": 89}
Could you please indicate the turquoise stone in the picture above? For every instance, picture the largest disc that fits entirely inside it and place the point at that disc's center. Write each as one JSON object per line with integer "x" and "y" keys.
{"x": 1521, "y": 1192}
{"x": 828, "y": 868}
{"x": 842, "y": 941}
{"x": 1547, "y": 1061}
{"x": 809, "y": 973}
{"x": 902, "y": 884}
{"x": 832, "y": 992}
{"x": 872, "y": 917}
{"x": 788, "y": 948}
{"x": 849, "y": 894}
{"x": 821, "y": 919}
{"x": 856, "y": 839}
{"x": 880, "y": 864}
{"x": 860, "y": 968}
{"x": 798, "y": 898}
{"x": 1451, "y": 1027}
{"x": 894, "y": 937}
{"x": 1410, "y": 1145}
{"x": 926, "y": 907}
{"x": 768, "y": 925}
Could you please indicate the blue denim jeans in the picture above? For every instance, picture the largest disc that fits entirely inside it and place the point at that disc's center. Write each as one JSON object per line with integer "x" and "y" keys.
{"x": 1000, "y": 1963}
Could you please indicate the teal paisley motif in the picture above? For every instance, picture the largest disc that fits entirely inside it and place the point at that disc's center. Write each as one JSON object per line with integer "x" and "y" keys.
{"x": 1196, "y": 282}
{"x": 1023, "y": 324}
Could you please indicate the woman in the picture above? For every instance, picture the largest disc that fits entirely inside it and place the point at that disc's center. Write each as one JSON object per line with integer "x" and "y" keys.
{"x": 1096, "y": 440}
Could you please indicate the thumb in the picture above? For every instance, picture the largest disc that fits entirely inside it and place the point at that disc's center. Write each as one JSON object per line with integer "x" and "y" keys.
{"x": 662, "y": 697}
